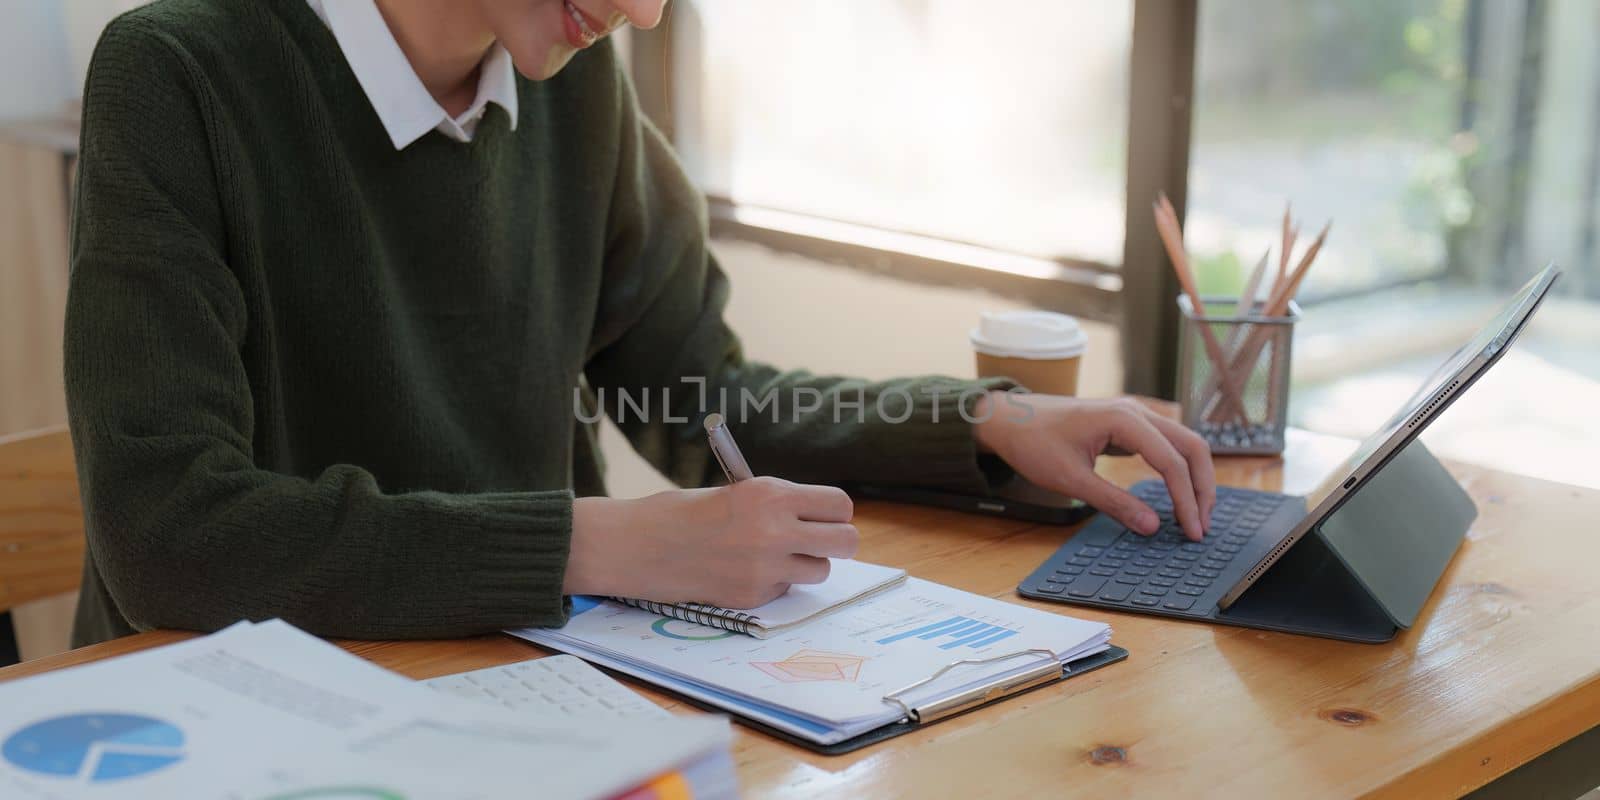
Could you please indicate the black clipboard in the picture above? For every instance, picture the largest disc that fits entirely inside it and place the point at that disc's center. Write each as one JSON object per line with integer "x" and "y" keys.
{"x": 1073, "y": 669}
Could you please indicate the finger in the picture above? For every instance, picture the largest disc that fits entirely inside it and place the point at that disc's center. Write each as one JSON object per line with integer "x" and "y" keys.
{"x": 1112, "y": 500}
{"x": 1201, "y": 470}
{"x": 822, "y": 503}
{"x": 1136, "y": 432}
{"x": 806, "y": 569}
{"x": 827, "y": 540}
{"x": 759, "y": 598}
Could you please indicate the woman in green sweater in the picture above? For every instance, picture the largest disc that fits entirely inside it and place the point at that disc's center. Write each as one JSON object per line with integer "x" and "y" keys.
{"x": 343, "y": 271}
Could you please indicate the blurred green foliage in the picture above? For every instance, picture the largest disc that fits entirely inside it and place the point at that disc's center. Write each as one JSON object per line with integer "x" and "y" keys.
{"x": 1315, "y": 72}
{"x": 1300, "y": 67}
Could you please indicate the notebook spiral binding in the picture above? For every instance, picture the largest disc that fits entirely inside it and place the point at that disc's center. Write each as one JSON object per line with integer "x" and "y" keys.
{"x": 699, "y": 613}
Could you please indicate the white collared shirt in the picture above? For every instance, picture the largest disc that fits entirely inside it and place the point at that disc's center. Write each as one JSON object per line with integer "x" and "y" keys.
{"x": 403, "y": 103}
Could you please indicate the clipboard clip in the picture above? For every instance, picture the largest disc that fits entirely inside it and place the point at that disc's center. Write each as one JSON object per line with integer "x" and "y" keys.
{"x": 1048, "y": 672}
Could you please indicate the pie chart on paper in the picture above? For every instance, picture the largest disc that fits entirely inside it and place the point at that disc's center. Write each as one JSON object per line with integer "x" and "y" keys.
{"x": 95, "y": 748}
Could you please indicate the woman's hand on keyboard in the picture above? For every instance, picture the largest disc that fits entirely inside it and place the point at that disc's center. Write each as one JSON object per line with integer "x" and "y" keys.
{"x": 1053, "y": 441}
{"x": 737, "y": 546}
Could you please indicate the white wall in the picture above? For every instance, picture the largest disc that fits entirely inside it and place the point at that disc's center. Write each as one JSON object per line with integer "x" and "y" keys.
{"x": 35, "y": 66}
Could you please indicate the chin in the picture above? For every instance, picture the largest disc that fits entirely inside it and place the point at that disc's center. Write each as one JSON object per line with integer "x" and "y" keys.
{"x": 545, "y": 65}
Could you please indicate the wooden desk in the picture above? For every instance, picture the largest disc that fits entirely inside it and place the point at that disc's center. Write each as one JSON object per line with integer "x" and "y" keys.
{"x": 1503, "y": 666}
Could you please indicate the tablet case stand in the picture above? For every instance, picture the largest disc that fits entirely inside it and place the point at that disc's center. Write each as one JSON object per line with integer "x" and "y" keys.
{"x": 1366, "y": 570}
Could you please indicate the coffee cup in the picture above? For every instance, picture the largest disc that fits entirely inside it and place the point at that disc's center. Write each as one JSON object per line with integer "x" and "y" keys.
{"x": 1041, "y": 350}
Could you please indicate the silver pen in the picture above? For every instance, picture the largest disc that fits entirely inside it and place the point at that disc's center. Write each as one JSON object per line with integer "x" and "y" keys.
{"x": 726, "y": 451}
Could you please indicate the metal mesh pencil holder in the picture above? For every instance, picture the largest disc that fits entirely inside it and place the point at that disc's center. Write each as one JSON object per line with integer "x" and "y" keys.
{"x": 1243, "y": 409}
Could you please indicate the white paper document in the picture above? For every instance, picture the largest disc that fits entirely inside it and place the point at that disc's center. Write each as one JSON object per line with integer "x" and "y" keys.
{"x": 826, "y": 679}
{"x": 260, "y": 711}
{"x": 848, "y": 581}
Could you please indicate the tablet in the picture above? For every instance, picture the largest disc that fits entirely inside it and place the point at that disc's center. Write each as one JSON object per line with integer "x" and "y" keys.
{"x": 1448, "y": 382}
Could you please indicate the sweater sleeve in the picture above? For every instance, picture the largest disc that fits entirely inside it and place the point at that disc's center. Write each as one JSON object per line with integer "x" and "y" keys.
{"x": 184, "y": 527}
{"x": 661, "y": 337}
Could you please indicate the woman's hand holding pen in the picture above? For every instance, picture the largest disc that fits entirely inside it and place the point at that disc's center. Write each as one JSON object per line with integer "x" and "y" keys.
{"x": 1053, "y": 441}
{"x": 736, "y": 546}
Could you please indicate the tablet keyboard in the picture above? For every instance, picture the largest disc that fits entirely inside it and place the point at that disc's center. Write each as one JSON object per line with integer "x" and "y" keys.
{"x": 554, "y": 687}
{"x": 1110, "y": 564}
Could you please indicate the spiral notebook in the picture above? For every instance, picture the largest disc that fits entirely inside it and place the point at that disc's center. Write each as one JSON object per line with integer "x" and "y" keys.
{"x": 849, "y": 581}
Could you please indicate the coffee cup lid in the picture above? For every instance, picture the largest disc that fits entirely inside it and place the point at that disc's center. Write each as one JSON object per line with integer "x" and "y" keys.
{"x": 1028, "y": 334}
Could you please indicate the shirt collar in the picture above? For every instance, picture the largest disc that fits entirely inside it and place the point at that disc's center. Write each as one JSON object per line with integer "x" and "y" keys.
{"x": 403, "y": 104}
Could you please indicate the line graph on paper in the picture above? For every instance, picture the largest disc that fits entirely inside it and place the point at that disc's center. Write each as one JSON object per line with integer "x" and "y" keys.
{"x": 813, "y": 665}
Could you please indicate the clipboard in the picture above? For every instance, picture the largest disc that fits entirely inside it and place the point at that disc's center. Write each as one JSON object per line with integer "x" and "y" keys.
{"x": 926, "y": 714}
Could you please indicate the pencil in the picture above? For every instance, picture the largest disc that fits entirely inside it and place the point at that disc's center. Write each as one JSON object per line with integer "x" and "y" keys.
{"x": 1245, "y": 308}
{"x": 1172, "y": 237}
{"x": 1245, "y": 359}
{"x": 1289, "y": 235}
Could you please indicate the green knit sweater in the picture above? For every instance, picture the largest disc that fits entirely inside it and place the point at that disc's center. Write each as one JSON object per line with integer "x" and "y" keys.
{"x": 313, "y": 377}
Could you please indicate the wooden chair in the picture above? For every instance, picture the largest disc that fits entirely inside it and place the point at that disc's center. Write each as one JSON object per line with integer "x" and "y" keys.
{"x": 41, "y": 518}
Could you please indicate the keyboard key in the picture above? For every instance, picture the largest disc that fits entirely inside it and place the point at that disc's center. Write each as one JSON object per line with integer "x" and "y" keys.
{"x": 1145, "y": 600}
{"x": 1139, "y": 571}
{"x": 1126, "y": 543}
{"x": 1079, "y": 561}
{"x": 1147, "y": 563}
{"x": 1181, "y": 556}
{"x": 1193, "y": 547}
{"x": 1086, "y": 586}
{"x": 1051, "y": 587}
{"x": 1153, "y": 591}
{"x": 1224, "y": 547}
{"x": 1090, "y": 552}
{"x": 1179, "y": 603}
{"x": 1117, "y": 592}
{"x": 1200, "y": 582}
{"x": 1191, "y": 591}
{"x": 1214, "y": 563}
{"x": 1104, "y": 572}
{"x": 1131, "y": 580}
{"x": 1096, "y": 537}
{"x": 1206, "y": 573}
{"x": 1162, "y": 581}
{"x": 1068, "y": 573}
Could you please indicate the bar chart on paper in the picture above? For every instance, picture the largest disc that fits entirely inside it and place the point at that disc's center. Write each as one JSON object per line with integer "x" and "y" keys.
{"x": 958, "y": 631}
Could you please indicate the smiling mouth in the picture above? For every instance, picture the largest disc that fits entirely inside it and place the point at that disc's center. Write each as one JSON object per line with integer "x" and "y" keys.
{"x": 586, "y": 33}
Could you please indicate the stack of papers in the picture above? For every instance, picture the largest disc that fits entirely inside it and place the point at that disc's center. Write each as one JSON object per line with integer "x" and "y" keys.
{"x": 825, "y": 680}
{"x": 259, "y": 711}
